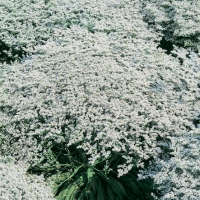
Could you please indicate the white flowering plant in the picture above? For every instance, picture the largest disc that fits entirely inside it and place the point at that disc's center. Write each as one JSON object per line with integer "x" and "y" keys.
{"x": 94, "y": 100}
{"x": 15, "y": 183}
{"x": 178, "y": 177}
{"x": 178, "y": 21}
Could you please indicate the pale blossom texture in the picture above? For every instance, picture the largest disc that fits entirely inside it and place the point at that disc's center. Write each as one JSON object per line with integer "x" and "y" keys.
{"x": 98, "y": 81}
{"x": 178, "y": 177}
{"x": 27, "y": 23}
{"x": 177, "y": 20}
{"x": 15, "y": 184}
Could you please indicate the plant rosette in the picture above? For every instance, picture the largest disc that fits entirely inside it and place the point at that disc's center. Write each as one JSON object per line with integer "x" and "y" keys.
{"x": 74, "y": 178}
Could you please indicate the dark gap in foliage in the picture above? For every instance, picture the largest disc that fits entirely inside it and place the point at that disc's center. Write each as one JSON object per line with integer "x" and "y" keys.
{"x": 196, "y": 121}
{"x": 40, "y": 117}
{"x": 188, "y": 128}
{"x": 15, "y": 54}
{"x": 163, "y": 144}
{"x": 184, "y": 42}
{"x": 130, "y": 128}
{"x": 150, "y": 125}
{"x": 166, "y": 45}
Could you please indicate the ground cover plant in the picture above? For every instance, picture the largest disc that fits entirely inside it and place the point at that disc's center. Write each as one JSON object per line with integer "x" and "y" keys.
{"x": 90, "y": 102}
{"x": 16, "y": 184}
{"x": 177, "y": 21}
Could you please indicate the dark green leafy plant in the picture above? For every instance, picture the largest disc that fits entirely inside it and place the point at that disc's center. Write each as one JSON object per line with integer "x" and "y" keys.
{"x": 9, "y": 54}
{"x": 74, "y": 178}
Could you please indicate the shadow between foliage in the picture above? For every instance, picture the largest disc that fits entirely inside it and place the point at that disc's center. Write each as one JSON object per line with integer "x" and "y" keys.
{"x": 9, "y": 54}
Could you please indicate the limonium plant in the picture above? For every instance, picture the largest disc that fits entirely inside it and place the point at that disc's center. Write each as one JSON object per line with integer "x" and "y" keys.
{"x": 177, "y": 20}
{"x": 15, "y": 183}
{"x": 75, "y": 178}
{"x": 178, "y": 177}
{"x": 90, "y": 101}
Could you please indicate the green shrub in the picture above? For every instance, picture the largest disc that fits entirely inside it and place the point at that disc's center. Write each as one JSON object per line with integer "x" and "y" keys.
{"x": 74, "y": 178}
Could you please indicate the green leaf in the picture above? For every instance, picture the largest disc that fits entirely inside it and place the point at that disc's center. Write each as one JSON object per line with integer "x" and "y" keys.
{"x": 117, "y": 159}
{"x": 131, "y": 176}
{"x": 59, "y": 189}
{"x": 89, "y": 194}
{"x": 100, "y": 194}
{"x": 136, "y": 189}
{"x": 118, "y": 187}
{"x": 140, "y": 185}
{"x": 71, "y": 176}
{"x": 94, "y": 185}
{"x": 126, "y": 179}
{"x": 133, "y": 173}
{"x": 61, "y": 177}
{"x": 82, "y": 195}
{"x": 80, "y": 181}
{"x": 75, "y": 188}
{"x": 90, "y": 174}
{"x": 69, "y": 193}
{"x": 92, "y": 195}
{"x": 147, "y": 186}
{"x": 63, "y": 192}
{"x": 111, "y": 195}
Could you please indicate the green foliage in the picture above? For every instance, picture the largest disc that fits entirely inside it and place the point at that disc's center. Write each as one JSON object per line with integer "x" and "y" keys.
{"x": 9, "y": 54}
{"x": 74, "y": 178}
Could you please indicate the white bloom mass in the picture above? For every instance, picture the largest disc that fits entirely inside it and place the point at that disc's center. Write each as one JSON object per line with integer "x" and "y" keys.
{"x": 16, "y": 184}
{"x": 95, "y": 77}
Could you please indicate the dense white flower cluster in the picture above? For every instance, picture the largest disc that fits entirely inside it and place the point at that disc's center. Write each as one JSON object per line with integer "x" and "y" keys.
{"x": 23, "y": 25}
{"x": 100, "y": 82}
{"x": 27, "y": 23}
{"x": 178, "y": 177}
{"x": 15, "y": 184}
{"x": 179, "y": 20}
